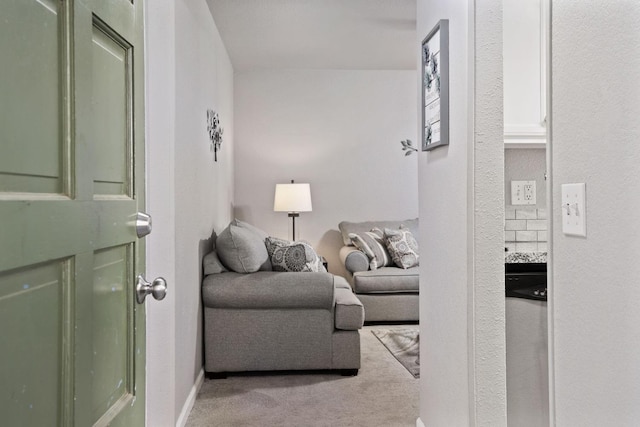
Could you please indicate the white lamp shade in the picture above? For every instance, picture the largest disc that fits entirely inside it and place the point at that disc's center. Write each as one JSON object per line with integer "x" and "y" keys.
{"x": 292, "y": 198}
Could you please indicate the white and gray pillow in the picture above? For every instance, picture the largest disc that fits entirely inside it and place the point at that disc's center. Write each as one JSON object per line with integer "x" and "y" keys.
{"x": 403, "y": 247}
{"x": 373, "y": 245}
{"x": 291, "y": 256}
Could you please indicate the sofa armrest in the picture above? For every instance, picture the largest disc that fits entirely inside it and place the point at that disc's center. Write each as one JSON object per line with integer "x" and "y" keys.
{"x": 349, "y": 315}
{"x": 268, "y": 290}
{"x": 353, "y": 259}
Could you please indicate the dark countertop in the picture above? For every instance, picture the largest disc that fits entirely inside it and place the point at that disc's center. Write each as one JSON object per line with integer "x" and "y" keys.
{"x": 525, "y": 257}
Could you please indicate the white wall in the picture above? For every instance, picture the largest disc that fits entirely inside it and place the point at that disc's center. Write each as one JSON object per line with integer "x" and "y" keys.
{"x": 339, "y": 130}
{"x": 462, "y": 211}
{"x": 595, "y": 134}
{"x": 189, "y": 72}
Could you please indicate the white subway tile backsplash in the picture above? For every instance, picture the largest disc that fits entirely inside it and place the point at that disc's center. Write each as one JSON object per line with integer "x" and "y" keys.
{"x": 526, "y": 236}
{"x": 527, "y": 247}
{"x": 537, "y": 224}
{"x": 525, "y": 229}
{"x": 526, "y": 214}
{"x": 515, "y": 224}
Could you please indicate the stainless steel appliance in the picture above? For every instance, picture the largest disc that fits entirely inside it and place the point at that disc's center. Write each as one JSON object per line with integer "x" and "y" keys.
{"x": 527, "y": 355}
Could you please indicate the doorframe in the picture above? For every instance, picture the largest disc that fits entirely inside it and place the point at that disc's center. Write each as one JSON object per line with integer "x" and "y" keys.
{"x": 160, "y": 183}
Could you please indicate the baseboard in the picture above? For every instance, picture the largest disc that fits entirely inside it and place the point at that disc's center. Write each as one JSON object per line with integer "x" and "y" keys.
{"x": 191, "y": 400}
{"x": 419, "y": 423}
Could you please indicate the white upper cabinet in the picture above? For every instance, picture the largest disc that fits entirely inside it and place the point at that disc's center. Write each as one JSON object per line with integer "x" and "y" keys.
{"x": 525, "y": 73}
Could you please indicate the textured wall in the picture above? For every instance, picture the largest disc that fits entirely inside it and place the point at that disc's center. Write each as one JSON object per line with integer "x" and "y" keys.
{"x": 486, "y": 271}
{"x": 191, "y": 73}
{"x": 595, "y": 134}
{"x": 461, "y": 210}
{"x": 339, "y": 130}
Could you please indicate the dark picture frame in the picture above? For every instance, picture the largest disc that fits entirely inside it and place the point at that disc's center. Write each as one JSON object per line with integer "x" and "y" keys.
{"x": 435, "y": 87}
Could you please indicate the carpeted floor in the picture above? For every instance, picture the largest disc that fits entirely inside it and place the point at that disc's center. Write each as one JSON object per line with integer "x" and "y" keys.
{"x": 383, "y": 394}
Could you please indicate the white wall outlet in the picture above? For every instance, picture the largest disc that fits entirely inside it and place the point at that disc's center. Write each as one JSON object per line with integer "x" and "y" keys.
{"x": 523, "y": 192}
{"x": 574, "y": 209}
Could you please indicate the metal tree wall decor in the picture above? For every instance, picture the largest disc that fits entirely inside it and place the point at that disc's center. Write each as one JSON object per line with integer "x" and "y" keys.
{"x": 215, "y": 132}
{"x": 407, "y": 145}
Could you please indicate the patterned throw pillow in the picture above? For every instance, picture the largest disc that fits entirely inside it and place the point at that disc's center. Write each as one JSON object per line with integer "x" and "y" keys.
{"x": 402, "y": 246}
{"x": 372, "y": 244}
{"x": 293, "y": 256}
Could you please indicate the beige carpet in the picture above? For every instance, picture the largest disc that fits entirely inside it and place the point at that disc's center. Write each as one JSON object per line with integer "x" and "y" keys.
{"x": 383, "y": 394}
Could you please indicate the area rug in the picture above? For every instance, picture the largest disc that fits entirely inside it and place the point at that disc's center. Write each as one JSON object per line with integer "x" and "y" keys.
{"x": 404, "y": 345}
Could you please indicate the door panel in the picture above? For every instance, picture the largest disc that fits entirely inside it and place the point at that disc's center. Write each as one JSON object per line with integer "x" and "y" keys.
{"x": 71, "y": 183}
{"x": 112, "y": 305}
{"x": 30, "y": 122}
{"x": 31, "y": 320}
{"x": 110, "y": 100}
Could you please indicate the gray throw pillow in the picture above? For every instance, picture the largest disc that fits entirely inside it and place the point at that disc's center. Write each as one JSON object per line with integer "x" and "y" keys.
{"x": 403, "y": 247}
{"x": 263, "y": 236}
{"x": 242, "y": 250}
{"x": 293, "y": 256}
{"x": 212, "y": 264}
{"x": 242, "y": 224}
{"x": 373, "y": 245}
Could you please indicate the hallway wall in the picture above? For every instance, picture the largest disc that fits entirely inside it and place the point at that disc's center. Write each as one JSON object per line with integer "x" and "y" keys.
{"x": 189, "y": 193}
{"x": 461, "y": 186}
{"x": 595, "y": 134}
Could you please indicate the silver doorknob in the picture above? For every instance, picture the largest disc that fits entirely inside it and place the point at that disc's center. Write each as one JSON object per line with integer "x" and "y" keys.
{"x": 143, "y": 288}
{"x": 143, "y": 224}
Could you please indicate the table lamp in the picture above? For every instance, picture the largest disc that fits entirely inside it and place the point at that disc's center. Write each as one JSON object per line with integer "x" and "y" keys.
{"x": 292, "y": 198}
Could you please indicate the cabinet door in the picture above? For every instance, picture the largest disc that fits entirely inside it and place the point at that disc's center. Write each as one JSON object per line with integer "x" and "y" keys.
{"x": 525, "y": 70}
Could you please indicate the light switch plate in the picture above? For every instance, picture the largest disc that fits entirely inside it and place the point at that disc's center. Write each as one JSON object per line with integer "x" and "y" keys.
{"x": 523, "y": 192}
{"x": 574, "y": 209}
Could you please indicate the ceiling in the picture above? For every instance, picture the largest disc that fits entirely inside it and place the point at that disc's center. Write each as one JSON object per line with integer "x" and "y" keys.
{"x": 318, "y": 34}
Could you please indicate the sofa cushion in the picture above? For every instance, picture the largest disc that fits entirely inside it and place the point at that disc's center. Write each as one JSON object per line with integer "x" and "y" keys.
{"x": 242, "y": 250}
{"x": 212, "y": 264}
{"x": 402, "y": 246}
{"x": 385, "y": 280}
{"x": 268, "y": 290}
{"x": 373, "y": 245}
{"x": 347, "y": 227}
{"x": 293, "y": 256}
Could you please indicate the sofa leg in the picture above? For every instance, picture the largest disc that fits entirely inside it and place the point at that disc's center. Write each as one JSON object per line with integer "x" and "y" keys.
{"x": 216, "y": 375}
{"x": 348, "y": 372}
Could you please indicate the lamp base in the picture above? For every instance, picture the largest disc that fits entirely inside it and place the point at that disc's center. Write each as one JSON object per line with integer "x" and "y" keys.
{"x": 293, "y": 216}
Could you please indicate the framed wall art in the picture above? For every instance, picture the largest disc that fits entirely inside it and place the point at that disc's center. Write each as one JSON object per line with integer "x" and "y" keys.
{"x": 435, "y": 87}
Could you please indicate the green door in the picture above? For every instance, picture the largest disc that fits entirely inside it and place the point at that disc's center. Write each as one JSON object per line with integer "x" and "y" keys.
{"x": 71, "y": 182}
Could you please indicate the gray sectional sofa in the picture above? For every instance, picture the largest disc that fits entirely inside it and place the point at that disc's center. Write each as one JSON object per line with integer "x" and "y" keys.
{"x": 256, "y": 319}
{"x": 388, "y": 293}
